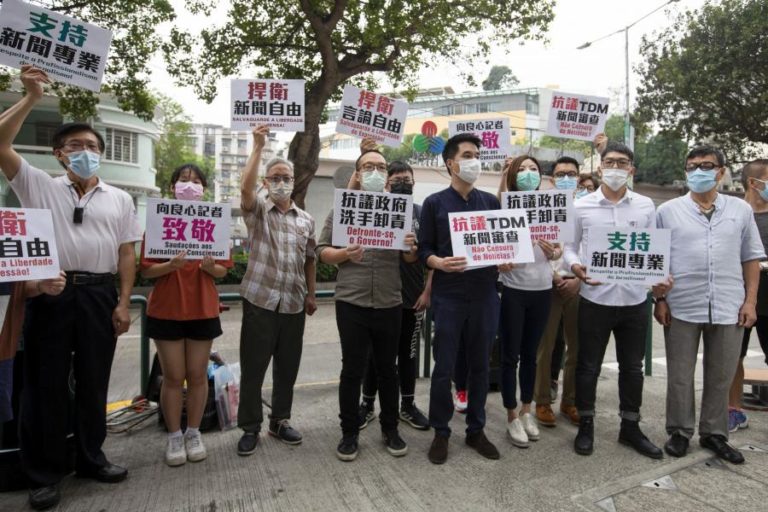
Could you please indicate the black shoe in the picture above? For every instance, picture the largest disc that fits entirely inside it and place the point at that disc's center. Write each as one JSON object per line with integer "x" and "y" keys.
{"x": 394, "y": 443}
{"x": 482, "y": 445}
{"x": 584, "y": 444}
{"x": 347, "y": 449}
{"x": 247, "y": 443}
{"x": 438, "y": 452}
{"x": 283, "y": 430}
{"x": 414, "y": 417}
{"x": 366, "y": 415}
{"x": 676, "y": 445}
{"x": 110, "y": 474}
{"x": 44, "y": 498}
{"x": 722, "y": 449}
{"x": 631, "y": 435}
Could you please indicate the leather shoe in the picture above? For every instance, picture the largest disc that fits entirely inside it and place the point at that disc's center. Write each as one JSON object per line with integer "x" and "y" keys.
{"x": 44, "y": 498}
{"x": 438, "y": 452}
{"x": 110, "y": 474}
{"x": 545, "y": 416}
{"x": 570, "y": 412}
{"x": 631, "y": 435}
{"x": 482, "y": 445}
{"x": 722, "y": 449}
{"x": 677, "y": 445}
{"x": 585, "y": 439}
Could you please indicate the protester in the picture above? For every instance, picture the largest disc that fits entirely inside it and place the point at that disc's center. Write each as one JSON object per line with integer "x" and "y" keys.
{"x": 278, "y": 291}
{"x": 715, "y": 253}
{"x": 183, "y": 319}
{"x": 587, "y": 185}
{"x": 525, "y": 302}
{"x": 611, "y": 308}
{"x": 96, "y": 229}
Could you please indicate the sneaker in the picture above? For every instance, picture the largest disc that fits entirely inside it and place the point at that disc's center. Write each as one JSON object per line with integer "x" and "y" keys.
{"x": 737, "y": 420}
{"x": 395, "y": 444}
{"x": 347, "y": 449}
{"x": 247, "y": 443}
{"x": 193, "y": 443}
{"x": 175, "y": 454}
{"x": 414, "y": 417}
{"x": 517, "y": 433}
{"x": 460, "y": 401}
{"x": 365, "y": 415}
{"x": 283, "y": 430}
{"x": 529, "y": 425}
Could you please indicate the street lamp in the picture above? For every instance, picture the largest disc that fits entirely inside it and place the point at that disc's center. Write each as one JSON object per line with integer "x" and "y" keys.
{"x": 626, "y": 62}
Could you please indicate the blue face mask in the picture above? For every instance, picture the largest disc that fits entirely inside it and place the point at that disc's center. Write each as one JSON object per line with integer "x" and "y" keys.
{"x": 701, "y": 181}
{"x": 528, "y": 180}
{"x": 566, "y": 183}
{"x": 84, "y": 163}
{"x": 581, "y": 193}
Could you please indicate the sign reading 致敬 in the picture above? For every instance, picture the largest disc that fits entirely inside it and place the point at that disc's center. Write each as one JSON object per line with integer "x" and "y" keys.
{"x": 491, "y": 237}
{"x": 575, "y": 116}
{"x": 278, "y": 104}
{"x": 367, "y": 114}
{"x": 493, "y": 132}
{"x": 624, "y": 255}
{"x": 27, "y": 245}
{"x": 198, "y": 227}
{"x": 375, "y": 220}
{"x": 69, "y": 50}
{"x": 548, "y": 213}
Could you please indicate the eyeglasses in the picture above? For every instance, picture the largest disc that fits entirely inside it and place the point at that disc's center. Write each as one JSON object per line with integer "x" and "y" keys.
{"x": 80, "y": 146}
{"x": 570, "y": 174}
{"x": 707, "y": 166}
{"x": 404, "y": 181}
{"x": 275, "y": 180}
{"x": 620, "y": 163}
{"x": 374, "y": 167}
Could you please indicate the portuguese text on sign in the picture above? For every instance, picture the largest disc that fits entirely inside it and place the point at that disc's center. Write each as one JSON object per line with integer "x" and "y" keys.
{"x": 623, "y": 255}
{"x": 278, "y": 104}
{"x": 200, "y": 228}
{"x": 375, "y": 220}
{"x": 367, "y": 114}
{"x": 27, "y": 245}
{"x": 494, "y": 134}
{"x": 548, "y": 213}
{"x": 575, "y": 116}
{"x": 491, "y": 237}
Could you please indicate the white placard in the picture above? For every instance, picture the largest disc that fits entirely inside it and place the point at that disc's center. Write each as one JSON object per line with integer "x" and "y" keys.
{"x": 367, "y": 114}
{"x": 198, "y": 227}
{"x": 494, "y": 133}
{"x": 624, "y": 255}
{"x": 549, "y": 213}
{"x": 491, "y": 237}
{"x": 576, "y": 116}
{"x": 278, "y": 104}
{"x": 27, "y": 245}
{"x": 375, "y": 220}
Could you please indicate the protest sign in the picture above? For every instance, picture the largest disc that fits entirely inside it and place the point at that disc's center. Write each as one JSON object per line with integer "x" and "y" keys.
{"x": 491, "y": 237}
{"x": 198, "y": 227}
{"x": 548, "y": 213}
{"x": 493, "y": 132}
{"x": 375, "y": 220}
{"x": 625, "y": 255}
{"x": 576, "y": 116}
{"x": 278, "y": 104}
{"x": 69, "y": 50}
{"x": 367, "y": 114}
{"x": 27, "y": 245}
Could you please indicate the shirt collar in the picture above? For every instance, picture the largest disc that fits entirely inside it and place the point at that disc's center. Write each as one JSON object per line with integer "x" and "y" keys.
{"x": 270, "y": 205}
{"x": 601, "y": 199}
{"x": 719, "y": 202}
{"x": 70, "y": 183}
{"x": 456, "y": 193}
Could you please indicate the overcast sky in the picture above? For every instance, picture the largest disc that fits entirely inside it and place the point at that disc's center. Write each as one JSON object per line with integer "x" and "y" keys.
{"x": 597, "y": 70}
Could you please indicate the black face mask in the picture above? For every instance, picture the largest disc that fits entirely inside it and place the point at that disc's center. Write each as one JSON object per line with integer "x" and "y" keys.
{"x": 401, "y": 188}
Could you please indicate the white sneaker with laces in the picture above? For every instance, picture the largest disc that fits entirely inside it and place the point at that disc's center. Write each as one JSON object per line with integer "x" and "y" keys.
{"x": 175, "y": 454}
{"x": 530, "y": 427}
{"x": 195, "y": 447}
{"x": 517, "y": 433}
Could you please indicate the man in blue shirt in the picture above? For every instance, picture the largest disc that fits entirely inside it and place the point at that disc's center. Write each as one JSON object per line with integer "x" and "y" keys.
{"x": 465, "y": 302}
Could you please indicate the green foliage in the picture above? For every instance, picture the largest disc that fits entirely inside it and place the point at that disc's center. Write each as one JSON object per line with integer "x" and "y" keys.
{"x": 548, "y": 141}
{"x": 660, "y": 159}
{"x": 326, "y": 273}
{"x": 500, "y": 77}
{"x": 706, "y": 76}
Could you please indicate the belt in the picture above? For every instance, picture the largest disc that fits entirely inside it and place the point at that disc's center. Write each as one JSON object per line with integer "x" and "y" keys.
{"x": 89, "y": 278}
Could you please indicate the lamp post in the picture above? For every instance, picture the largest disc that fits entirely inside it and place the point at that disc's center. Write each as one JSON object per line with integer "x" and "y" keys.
{"x": 626, "y": 63}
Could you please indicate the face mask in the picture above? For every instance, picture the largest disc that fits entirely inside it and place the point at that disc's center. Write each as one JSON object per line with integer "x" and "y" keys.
{"x": 188, "y": 191}
{"x": 469, "y": 170}
{"x": 566, "y": 183}
{"x": 581, "y": 193}
{"x": 528, "y": 180}
{"x": 84, "y": 163}
{"x": 615, "y": 178}
{"x": 279, "y": 193}
{"x": 401, "y": 188}
{"x": 374, "y": 181}
{"x": 701, "y": 181}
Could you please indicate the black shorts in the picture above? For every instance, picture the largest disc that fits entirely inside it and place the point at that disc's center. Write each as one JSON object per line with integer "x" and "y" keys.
{"x": 205, "y": 329}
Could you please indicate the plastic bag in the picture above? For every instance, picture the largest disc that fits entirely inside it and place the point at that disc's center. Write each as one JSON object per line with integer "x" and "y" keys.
{"x": 226, "y": 381}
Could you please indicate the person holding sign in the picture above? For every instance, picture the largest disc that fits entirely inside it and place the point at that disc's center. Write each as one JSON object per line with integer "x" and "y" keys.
{"x": 96, "y": 229}
{"x": 183, "y": 319}
{"x": 715, "y": 262}
{"x": 525, "y": 302}
{"x": 611, "y": 308}
{"x": 279, "y": 291}
{"x": 465, "y": 302}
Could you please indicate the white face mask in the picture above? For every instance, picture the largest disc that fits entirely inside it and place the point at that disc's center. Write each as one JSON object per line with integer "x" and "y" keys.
{"x": 469, "y": 170}
{"x": 278, "y": 193}
{"x": 615, "y": 178}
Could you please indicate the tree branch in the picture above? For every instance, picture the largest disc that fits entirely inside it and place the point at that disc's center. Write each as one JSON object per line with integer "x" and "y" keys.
{"x": 323, "y": 38}
{"x": 336, "y": 14}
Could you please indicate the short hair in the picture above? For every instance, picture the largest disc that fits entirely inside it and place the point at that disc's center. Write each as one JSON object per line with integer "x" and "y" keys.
{"x": 617, "y": 147}
{"x": 452, "y": 145}
{"x": 67, "y": 129}
{"x": 357, "y": 162}
{"x": 564, "y": 160}
{"x": 277, "y": 161}
{"x": 398, "y": 166}
{"x": 192, "y": 168}
{"x": 753, "y": 169}
{"x": 706, "y": 150}
{"x": 514, "y": 168}
{"x": 591, "y": 178}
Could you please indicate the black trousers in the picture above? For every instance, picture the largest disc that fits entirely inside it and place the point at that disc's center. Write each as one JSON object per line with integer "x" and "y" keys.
{"x": 73, "y": 330}
{"x": 365, "y": 331}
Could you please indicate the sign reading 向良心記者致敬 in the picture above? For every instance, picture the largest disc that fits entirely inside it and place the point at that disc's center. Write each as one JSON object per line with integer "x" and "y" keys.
{"x": 27, "y": 245}
{"x": 366, "y": 114}
{"x": 278, "y": 104}
{"x": 548, "y": 213}
{"x": 494, "y": 134}
{"x": 576, "y": 116}
{"x": 491, "y": 237}
{"x": 198, "y": 227}
{"x": 374, "y": 220}
{"x": 624, "y": 255}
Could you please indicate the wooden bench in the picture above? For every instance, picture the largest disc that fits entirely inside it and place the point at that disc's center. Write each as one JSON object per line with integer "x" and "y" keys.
{"x": 758, "y": 379}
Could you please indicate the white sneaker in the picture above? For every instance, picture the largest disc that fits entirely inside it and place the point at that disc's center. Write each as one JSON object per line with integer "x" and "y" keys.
{"x": 175, "y": 454}
{"x": 460, "y": 401}
{"x": 517, "y": 433}
{"x": 529, "y": 425}
{"x": 195, "y": 447}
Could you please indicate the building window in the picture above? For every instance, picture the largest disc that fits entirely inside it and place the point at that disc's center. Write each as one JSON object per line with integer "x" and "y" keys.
{"x": 532, "y": 104}
{"x": 44, "y": 133}
{"x": 122, "y": 146}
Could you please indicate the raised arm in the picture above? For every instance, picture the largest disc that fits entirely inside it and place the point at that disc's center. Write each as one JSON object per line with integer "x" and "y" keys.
{"x": 251, "y": 171}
